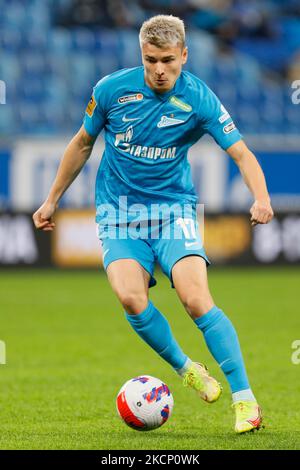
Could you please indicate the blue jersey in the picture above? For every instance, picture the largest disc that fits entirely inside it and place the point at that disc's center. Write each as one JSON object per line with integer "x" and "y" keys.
{"x": 148, "y": 135}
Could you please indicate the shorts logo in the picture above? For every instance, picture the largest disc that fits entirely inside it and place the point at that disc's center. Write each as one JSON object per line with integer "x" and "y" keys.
{"x": 91, "y": 106}
{"x": 188, "y": 244}
{"x": 180, "y": 104}
{"x": 130, "y": 98}
{"x": 229, "y": 128}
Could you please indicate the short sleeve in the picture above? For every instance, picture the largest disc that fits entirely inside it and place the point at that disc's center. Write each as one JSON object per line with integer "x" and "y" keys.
{"x": 95, "y": 113}
{"x": 216, "y": 121}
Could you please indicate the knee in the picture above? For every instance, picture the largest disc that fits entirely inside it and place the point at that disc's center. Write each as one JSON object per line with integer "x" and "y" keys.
{"x": 197, "y": 303}
{"x": 133, "y": 302}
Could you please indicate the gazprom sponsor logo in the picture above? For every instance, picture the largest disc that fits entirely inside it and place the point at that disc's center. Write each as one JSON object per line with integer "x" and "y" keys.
{"x": 153, "y": 153}
{"x": 180, "y": 104}
{"x": 124, "y": 136}
{"x": 123, "y": 139}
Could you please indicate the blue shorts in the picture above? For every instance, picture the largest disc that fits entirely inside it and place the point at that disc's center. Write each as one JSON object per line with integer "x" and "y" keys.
{"x": 165, "y": 243}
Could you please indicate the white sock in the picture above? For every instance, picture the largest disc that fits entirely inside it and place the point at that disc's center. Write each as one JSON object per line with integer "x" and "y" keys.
{"x": 243, "y": 395}
{"x": 185, "y": 367}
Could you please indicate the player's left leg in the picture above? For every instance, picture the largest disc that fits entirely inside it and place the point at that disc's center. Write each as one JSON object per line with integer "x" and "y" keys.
{"x": 189, "y": 276}
{"x": 129, "y": 264}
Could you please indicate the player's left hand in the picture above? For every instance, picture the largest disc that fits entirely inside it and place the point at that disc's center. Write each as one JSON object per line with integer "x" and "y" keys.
{"x": 261, "y": 212}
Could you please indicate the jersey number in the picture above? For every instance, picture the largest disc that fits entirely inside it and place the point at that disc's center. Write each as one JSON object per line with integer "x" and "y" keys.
{"x": 188, "y": 227}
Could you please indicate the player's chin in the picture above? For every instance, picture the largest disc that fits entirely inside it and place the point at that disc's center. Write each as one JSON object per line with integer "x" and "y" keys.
{"x": 162, "y": 86}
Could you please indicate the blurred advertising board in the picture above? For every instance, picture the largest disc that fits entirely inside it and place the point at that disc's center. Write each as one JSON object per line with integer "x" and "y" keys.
{"x": 33, "y": 168}
{"x": 5, "y": 171}
{"x": 279, "y": 157}
{"x": 74, "y": 240}
{"x": 28, "y": 167}
{"x": 21, "y": 244}
{"x": 229, "y": 240}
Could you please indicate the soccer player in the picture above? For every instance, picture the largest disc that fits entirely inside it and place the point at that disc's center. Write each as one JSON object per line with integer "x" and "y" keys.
{"x": 151, "y": 116}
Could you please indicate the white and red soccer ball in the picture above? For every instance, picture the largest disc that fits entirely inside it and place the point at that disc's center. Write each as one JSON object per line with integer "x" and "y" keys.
{"x": 144, "y": 403}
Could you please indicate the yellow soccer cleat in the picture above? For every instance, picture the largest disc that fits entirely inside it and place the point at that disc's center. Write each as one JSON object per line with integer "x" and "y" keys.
{"x": 198, "y": 378}
{"x": 248, "y": 416}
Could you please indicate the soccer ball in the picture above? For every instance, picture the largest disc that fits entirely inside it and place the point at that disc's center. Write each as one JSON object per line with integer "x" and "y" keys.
{"x": 144, "y": 403}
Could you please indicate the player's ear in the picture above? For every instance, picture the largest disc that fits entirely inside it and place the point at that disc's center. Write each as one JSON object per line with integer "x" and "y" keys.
{"x": 184, "y": 55}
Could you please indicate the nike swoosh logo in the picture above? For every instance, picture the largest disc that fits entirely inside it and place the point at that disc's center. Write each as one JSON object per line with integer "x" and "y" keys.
{"x": 187, "y": 244}
{"x": 125, "y": 119}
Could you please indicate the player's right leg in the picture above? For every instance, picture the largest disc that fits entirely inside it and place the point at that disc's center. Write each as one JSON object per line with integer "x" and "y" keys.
{"x": 130, "y": 282}
{"x": 189, "y": 276}
{"x": 129, "y": 265}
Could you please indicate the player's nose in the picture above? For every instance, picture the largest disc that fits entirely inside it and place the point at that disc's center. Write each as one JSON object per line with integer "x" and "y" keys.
{"x": 159, "y": 70}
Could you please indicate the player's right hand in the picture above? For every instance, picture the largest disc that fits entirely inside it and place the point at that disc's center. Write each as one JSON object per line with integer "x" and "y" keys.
{"x": 42, "y": 218}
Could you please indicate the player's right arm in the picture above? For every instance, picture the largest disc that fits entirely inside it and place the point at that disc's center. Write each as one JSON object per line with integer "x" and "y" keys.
{"x": 75, "y": 156}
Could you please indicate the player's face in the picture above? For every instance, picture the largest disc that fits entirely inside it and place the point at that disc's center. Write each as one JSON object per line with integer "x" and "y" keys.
{"x": 162, "y": 65}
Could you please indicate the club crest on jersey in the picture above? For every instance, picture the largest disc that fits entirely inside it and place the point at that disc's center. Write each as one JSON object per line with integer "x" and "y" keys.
{"x": 166, "y": 121}
{"x": 130, "y": 98}
{"x": 180, "y": 104}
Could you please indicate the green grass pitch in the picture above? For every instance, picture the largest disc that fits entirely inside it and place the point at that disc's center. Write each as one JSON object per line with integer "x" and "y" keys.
{"x": 70, "y": 349}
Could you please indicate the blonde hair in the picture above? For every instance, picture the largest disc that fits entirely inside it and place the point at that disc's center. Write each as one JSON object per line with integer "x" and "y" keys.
{"x": 163, "y": 30}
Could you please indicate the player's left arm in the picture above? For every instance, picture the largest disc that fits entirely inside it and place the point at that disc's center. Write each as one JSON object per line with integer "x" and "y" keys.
{"x": 261, "y": 210}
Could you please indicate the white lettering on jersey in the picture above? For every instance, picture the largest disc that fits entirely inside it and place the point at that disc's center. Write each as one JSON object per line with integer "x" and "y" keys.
{"x": 225, "y": 115}
{"x": 122, "y": 141}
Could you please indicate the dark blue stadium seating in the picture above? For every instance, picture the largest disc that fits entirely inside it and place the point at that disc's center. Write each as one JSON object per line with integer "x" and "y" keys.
{"x": 50, "y": 71}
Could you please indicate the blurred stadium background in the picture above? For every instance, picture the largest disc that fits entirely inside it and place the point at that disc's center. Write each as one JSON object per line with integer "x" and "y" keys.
{"x": 52, "y": 53}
